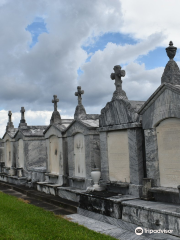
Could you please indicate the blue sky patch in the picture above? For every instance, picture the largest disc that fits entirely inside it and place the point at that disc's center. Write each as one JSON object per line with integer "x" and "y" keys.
{"x": 101, "y": 42}
{"x": 36, "y": 28}
{"x": 79, "y": 71}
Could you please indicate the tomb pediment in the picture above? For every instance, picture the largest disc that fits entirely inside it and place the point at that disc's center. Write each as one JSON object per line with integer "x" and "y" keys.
{"x": 82, "y": 126}
{"x": 53, "y": 130}
{"x": 10, "y": 134}
{"x": 30, "y": 131}
{"x": 163, "y": 103}
{"x": 116, "y": 112}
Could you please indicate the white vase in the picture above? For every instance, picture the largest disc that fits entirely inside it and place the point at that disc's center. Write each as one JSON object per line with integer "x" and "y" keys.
{"x": 96, "y": 174}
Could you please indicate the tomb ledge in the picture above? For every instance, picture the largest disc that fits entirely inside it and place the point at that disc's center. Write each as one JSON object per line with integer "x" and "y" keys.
{"x": 118, "y": 127}
{"x": 79, "y": 179}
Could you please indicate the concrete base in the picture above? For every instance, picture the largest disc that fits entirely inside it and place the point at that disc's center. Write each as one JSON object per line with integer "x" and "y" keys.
{"x": 69, "y": 193}
{"x": 13, "y": 179}
{"x": 165, "y": 194}
{"x": 152, "y": 215}
{"x": 48, "y": 188}
{"x": 105, "y": 203}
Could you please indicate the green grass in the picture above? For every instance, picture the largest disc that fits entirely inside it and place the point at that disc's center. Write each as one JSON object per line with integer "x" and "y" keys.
{"x": 22, "y": 221}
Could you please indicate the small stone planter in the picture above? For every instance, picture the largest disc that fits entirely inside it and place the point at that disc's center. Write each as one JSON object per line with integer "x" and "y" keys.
{"x": 96, "y": 174}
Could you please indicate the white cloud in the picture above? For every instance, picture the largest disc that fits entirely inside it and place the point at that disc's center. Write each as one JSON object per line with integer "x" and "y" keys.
{"x": 141, "y": 18}
{"x": 30, "y": 78}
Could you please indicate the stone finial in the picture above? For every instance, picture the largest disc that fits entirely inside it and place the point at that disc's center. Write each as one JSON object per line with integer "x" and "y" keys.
{"x": 22, "y": 121}
{"x": 10, "y": 125}
{"x": 55, "y": 118}
{"x": 10, "y": 114}
{"x": 78, "y": 93}
{"x": 171, "y": 50}
{"x": 22, "y": 111}
{"x": 171, "y": 72}
{"x": 118, "y": 73}
{"x": 80, "y": 112}
{"x": 55, "y": 101}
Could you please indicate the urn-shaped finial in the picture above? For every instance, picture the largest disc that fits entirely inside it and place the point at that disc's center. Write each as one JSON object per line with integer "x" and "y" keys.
{"x": 171, "y": 50}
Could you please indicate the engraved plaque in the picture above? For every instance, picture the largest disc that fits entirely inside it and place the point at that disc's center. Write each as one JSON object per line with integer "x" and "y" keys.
{"x": 118, "y": 156}
{"x": 54, "y": 158}
{"x": 79, "y": 155}
{"x": 168, "y": 136}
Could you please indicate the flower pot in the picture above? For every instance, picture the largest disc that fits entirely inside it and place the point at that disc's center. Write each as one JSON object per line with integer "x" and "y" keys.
{"x": 96, "y": 174}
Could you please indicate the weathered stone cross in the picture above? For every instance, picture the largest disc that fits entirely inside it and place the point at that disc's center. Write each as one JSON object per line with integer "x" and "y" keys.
{"x": 55, "y": 100}
{"x": 22, "y": 113}
{"x": 9, "y": 114}
{"x": 78, "y": 93}
{"x": 118, "y": 73}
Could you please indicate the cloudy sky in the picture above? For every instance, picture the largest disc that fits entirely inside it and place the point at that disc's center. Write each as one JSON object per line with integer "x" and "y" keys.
{"x": 51, "y": 47}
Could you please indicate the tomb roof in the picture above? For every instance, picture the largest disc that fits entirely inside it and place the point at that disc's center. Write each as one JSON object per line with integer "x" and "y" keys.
{"x": 157, "y": 93}
{"x": 61, "y": 126}
{"x": 11, "y": 133}
{"x": 33, "y": 131}
{"x": 91, "y": 123}
{"x": 136, "y": 105}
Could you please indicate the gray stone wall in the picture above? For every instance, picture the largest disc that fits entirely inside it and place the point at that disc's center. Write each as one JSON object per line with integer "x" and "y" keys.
{"x": 152, "y": 162}
{"x": 70, "y": 143}
{"x": 35, "y": 153}
{"x": 104, "y": 156}
{"x": 135, "y": 141}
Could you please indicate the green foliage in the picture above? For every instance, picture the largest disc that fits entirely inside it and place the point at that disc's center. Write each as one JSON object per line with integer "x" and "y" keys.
{"x": 22, "y": 221}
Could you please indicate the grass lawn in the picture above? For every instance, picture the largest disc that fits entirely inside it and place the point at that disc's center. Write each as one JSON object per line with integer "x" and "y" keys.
{"x": 22, "y": 221}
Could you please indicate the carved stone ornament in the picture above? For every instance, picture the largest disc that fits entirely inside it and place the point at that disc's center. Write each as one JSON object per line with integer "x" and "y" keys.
{"x": 171, "y": 72}
{"x": 55, "y": 118}
{"x": 80, "y": 112}
{"x": 118, "y": 73}
{"x": 10, "y": 125}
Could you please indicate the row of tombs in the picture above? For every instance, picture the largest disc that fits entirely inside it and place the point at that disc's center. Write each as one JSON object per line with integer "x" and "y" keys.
{"x": 134, "y": 145}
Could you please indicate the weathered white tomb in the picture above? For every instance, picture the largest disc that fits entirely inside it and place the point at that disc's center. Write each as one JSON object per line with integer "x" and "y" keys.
{"x": 83, "y": 153}
{"x": 121, "y": 141}
{"x": 56, "y": 146}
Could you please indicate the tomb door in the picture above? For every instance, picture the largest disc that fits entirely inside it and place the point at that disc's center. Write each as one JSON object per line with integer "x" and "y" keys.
{"x": 8, "y": 154}
{"x": 79, "y": 155}
{"x": 20, "y": 153}
{"x": 168, "y": 139}
{"x": 118, "y": 156}
{"x": 54, "y": 155}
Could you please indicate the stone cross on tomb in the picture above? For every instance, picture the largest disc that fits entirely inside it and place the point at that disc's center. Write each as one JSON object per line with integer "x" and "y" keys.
{"x": 22, "y": 113}
{"x": 55, "y": 100}
{"x": 9, "y": 114}
{"x": 118, "y": 73}
{"x": 79, "y": 93}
